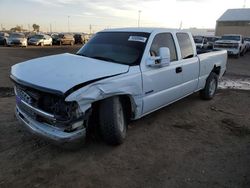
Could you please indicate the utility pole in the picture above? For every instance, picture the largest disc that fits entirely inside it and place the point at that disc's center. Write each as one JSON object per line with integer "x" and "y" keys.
{"x": 180, "y": 25}
{"x": 244, "y": 5}
{"x": 68, "y": 24}
{"x": 139, "y": 17}
{"x": 50, "y": 28}
{"x": 90, "y": 28}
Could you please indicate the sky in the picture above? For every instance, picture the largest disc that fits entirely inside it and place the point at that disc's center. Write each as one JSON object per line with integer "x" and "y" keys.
{"x": 78, "y": 15}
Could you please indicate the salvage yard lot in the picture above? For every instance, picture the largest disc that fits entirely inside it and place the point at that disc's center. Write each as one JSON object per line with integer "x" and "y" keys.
{"x": 191, "y": 143}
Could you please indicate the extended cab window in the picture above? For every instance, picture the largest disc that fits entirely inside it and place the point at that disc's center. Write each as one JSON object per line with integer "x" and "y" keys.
{"x": 186, "y": 46}
{"x": 164, "y": 40}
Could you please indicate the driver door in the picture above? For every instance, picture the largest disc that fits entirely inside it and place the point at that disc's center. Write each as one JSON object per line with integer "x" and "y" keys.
{"x": 161, "y": 84}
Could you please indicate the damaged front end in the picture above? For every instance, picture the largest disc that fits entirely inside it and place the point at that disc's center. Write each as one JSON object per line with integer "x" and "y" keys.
{"x": 49, "y": 115}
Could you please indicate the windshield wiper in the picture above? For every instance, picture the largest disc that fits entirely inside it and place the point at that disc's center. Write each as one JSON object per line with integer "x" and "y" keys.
{"x": 105, "y": 59}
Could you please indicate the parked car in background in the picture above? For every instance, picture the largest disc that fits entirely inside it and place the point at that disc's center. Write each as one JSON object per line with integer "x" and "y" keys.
{"x": 201, "y": 42}
{"x": 65, "y": 38}
{"x": 247, "y": 43}
{"x": 17, "y": 39}
{"x": 79, "y": 38}
{"x": 233, "y": 43}
{"x": 211, "y": 40}
{"x": 3, "y": 38}
{"x": 40, "y": 40}
{"x": 54, "y": 37}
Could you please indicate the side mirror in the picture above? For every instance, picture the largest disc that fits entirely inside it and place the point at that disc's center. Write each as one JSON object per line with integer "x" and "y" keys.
{"x": 162, "y": 60}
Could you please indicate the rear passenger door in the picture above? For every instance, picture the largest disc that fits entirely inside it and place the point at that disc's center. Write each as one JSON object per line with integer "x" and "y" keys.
{"x": 189, "y": 62}
{"x": 161, "y": 85}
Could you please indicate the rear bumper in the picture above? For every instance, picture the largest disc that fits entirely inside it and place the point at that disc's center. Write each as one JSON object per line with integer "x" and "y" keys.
{"x": 49, "y": 132}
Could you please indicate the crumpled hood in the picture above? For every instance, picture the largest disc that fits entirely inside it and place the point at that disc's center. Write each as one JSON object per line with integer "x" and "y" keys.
{"x": 64, "y": 71}
{"x": 227, "y": 41}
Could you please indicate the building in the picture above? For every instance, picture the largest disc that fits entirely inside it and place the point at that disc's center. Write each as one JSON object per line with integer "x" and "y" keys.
{"x": 234, "y": 21}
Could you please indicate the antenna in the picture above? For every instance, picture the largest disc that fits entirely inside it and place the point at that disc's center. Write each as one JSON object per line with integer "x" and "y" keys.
{"x": 180, "y": 25}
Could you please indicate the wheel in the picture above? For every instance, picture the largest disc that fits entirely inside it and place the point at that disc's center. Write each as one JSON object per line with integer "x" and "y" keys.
{"x": 238, "y": 55}
{"x": 5, "y": 43}
{"x": 210, "y": 88}
{"x": 113, "y": 123}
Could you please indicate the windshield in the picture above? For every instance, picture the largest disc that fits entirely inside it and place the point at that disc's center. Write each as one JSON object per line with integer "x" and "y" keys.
{"x": 198, "y": 40}
{"x": 60, "y": 36}
{"x": 247, "y": 39}
{"x": 118, "y": 47}
{"x": 38, "y": 36}
{"x": 227, "y": 37}
{"x": 17, "y": 35}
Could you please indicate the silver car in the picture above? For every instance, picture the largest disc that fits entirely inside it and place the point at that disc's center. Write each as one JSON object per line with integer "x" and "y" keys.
{"x": 40, "y": 39}
{"x": 17, "y": 39}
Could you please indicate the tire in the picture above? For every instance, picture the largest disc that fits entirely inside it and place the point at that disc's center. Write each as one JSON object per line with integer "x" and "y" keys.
{"x": 210, "y": 88}
{"x": 113, "y": 121}
{"x": 238, "y": 55}
{"x": 4, "y": 43}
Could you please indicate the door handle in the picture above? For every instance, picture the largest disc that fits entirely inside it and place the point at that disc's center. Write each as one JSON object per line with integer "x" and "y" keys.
{"x": 178, "y": 69}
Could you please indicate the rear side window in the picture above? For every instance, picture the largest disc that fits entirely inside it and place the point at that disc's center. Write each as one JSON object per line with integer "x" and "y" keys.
{"x": 164, "y": 40}
{"x": 186, "y": 47}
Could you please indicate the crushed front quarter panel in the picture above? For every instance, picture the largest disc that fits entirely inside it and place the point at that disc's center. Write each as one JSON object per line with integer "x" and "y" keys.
{"x": 129, "y": 84}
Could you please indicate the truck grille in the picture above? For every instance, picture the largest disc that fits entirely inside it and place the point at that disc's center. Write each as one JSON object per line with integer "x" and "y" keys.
{"x": 225, "y": 45}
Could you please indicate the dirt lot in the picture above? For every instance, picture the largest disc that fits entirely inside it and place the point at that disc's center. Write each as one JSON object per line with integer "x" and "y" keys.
{"x": 191, "y": 143}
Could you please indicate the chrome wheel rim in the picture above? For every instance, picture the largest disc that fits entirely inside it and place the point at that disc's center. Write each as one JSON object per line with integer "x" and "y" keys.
{"x": 120, "y": 119}
{"x": 212, "y": 87}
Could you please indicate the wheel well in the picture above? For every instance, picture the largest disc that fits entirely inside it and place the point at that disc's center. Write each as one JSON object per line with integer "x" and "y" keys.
{"x": 216, "y": 70}
{"x": 126, "y": 102}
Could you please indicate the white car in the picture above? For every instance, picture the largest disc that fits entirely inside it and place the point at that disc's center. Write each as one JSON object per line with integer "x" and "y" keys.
{"x": 233, "y": 43}
{"x": 119, "y": 75}
{"x": 17, "y": 39}
{"x": 40, "y": 40}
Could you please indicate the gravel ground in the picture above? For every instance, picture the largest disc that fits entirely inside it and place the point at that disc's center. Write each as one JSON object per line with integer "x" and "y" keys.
{"x": 191, "y": 143}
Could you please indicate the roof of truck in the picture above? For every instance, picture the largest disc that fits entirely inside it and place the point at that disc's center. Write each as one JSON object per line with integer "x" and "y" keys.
{"x": 141, "y": 29}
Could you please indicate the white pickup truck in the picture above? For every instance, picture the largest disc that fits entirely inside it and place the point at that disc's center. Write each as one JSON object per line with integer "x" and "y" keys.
{"x": 233, "y": 43}
{"x": 119, "y": 75}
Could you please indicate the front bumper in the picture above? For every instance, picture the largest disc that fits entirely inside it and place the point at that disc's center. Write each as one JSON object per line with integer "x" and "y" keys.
{"x": 33, "y": 43}
{"x": 16, "y": 43}
{"x": 49, "y": 132}
{"x": 230, "y": 51}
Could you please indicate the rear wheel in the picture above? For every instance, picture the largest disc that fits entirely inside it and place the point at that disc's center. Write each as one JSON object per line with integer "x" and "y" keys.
{"x": 113, "y": 122}
{"x": 210, "y": 88}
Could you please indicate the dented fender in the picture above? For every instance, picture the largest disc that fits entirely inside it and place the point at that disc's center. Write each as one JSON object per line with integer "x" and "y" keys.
{"x": 129, "y": 84}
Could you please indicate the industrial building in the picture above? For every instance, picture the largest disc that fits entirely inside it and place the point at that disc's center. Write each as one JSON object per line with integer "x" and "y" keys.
{"x": 234, "y": 21}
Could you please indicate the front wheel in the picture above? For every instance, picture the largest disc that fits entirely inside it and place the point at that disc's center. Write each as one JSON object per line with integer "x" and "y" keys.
{"x": 210, "y": 88}
{"x": 113, "y": 122}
